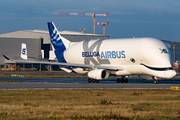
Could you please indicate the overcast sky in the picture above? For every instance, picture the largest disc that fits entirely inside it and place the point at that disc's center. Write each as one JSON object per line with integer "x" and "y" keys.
{"x": 127, "y": 18}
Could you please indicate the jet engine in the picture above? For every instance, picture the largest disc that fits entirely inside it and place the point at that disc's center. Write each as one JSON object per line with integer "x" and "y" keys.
{"x": 98, "y": 74}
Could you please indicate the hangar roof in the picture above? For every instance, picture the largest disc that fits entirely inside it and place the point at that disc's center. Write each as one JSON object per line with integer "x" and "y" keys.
{"x": 70, "y": 35}
{"x": 63, "y": 32}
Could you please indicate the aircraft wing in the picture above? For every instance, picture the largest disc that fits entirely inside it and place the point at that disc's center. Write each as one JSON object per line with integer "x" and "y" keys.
{"x": 66, "y": 64}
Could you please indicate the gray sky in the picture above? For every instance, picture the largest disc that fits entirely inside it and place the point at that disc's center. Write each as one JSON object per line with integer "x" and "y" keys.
{"x": 127, "y": 18}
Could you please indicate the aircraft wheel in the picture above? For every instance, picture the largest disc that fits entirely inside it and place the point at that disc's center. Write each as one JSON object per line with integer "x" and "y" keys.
{"x": 97, "y": 81}
{"x": 93, "y": 80}
{"x": 118, "y": 80}
{"x": 122, "y": 80}
{"x": 126, "y": 80}
{"x": 89, "y": 80}
{"x": 156, "y": 82}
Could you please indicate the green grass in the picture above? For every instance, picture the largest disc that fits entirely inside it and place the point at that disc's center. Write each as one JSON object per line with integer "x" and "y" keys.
{"x": 87, "y": 104}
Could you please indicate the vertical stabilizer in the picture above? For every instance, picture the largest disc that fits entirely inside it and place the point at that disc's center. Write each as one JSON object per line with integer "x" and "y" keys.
{"x": 23, "y": 51}
{"x": 59, "y": 43}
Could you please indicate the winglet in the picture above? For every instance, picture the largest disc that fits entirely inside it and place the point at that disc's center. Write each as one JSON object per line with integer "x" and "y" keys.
{"x": 6, "y": 57}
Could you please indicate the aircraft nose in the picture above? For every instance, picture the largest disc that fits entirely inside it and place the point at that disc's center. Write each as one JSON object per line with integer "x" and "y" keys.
{"x": 173, "y": 73}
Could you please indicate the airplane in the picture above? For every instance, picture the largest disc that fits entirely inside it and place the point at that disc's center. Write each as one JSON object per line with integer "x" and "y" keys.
{"x": 149, "y": 58}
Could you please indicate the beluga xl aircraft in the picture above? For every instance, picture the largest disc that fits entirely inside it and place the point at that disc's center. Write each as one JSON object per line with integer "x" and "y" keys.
{"x": 149, "y": 58}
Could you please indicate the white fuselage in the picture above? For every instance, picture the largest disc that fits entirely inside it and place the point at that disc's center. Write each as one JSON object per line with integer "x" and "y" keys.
{"x": 141, "y": 56}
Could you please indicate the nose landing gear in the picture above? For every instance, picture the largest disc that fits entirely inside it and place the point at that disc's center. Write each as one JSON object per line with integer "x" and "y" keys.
{"x": 156, "y": 81}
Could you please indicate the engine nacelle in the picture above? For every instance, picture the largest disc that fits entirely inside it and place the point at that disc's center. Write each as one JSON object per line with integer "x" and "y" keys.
{"x": 147, "y": 77}
{"x": 98, "y": 74}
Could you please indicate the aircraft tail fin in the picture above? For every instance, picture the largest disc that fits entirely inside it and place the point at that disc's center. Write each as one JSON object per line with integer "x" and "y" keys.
{"x": 23, "y": 51}
{"x": 59, "y": 43}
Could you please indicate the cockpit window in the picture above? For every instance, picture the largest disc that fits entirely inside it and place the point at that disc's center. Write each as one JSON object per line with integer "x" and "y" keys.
{"x": 158, "y": 69}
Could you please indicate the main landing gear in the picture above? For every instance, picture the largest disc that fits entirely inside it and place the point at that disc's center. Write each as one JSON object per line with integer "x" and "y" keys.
{"x": 156, "y": 81}
{"x": 122, "y": 80}
{"x": 92, "y": 80}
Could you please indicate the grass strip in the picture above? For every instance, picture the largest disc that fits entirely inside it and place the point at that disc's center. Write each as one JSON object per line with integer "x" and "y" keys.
{"x": 95, "y": 104}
